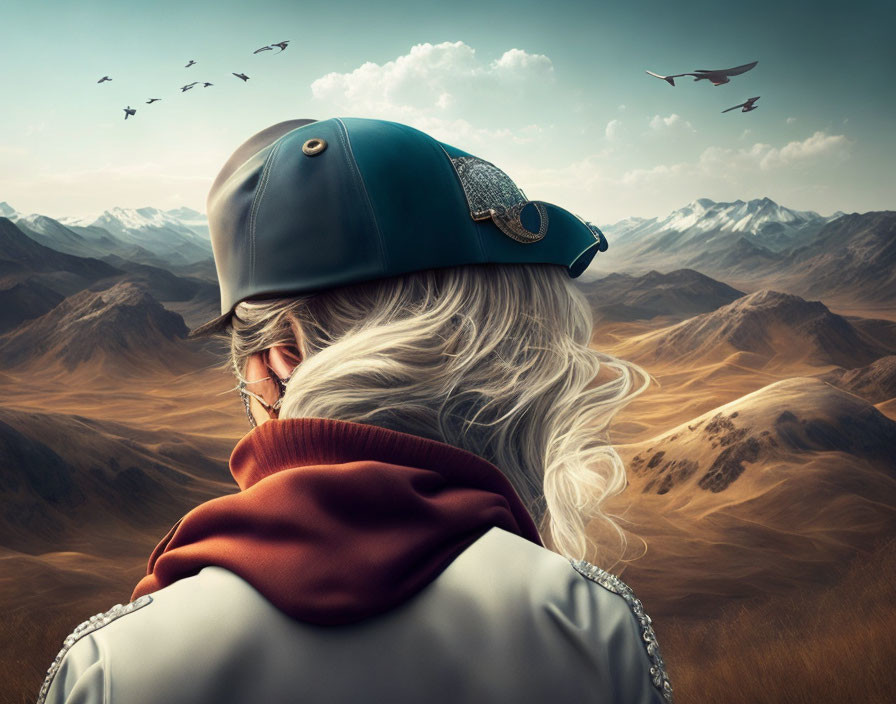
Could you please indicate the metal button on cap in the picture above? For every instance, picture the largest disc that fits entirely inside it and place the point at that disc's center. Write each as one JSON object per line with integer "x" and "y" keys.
{"x": 314, "y": 146}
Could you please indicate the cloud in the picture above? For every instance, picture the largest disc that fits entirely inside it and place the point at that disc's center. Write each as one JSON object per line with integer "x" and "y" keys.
{"x": 442, "y": 88}
{"x": 613, "y": 129}
{"x": 790, "y": 120}
{"x": 430, "y": 76}
{"x": 818, "y": 145}
{"x": 659, "y": 123}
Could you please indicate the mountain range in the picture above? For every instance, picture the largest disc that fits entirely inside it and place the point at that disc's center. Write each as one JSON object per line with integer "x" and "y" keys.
{"x": 760, "y": 244}
{"x": 152, "y": 236}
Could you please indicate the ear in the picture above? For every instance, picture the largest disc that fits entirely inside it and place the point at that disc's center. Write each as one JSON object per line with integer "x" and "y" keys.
{"x": 282, "y": 359}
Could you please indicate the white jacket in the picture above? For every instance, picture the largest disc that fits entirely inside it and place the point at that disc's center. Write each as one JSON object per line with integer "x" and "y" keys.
{"x": 506, "y": 621}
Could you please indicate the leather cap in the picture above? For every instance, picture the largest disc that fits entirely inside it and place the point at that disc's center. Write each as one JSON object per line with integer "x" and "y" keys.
{"x": 307, "y": 205}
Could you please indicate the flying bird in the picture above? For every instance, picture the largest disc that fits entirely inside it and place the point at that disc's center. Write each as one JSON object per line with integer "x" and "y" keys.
{"x": 104, "y": 78}
{"x": 264, "y": 48}
{"x": 152, "y": 100}
{"x": 190, "y": 64}
{"x": 282, "y": 45}
{"x": 188, "y": 86}
{"x": 747, "y": 106}
{"x": 716, "y": 77}
{"x": 241, "y": 75}
{"x": 129, "y": 111}
{"x": 206, "y": 84}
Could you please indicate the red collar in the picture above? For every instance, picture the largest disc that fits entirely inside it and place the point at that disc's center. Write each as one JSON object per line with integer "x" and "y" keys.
{"x": 337, "y": 521}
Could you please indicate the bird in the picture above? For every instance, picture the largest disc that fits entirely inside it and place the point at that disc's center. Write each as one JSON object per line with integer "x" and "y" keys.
{"x": 188, "y": 86}
{"x": 264, "y": 48}
{"x": 206, "y": 84}
{"x": 104, "y": 78}
{"x": 715, "y": 76}
{"x": 241, "y": 75}
{"x": 152, "y": 100}
{"x": 190, "y": 64}
{"x": 129, "y": 111}
{"x": 282, "y": 45}
{"x": 747, "y": 106}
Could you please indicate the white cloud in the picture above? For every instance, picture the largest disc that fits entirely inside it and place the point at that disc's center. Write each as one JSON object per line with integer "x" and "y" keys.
{"x": 791, "y": 120}
{"x": 818, "y": 145}
{"x": 613, "y": 129}
{"x": 516, "y": 62}
{"x": 440, "y": 88}
{"x": 635, "y": 177}
{"x": 659, "y": 123}
{"x": 420, "y": 79}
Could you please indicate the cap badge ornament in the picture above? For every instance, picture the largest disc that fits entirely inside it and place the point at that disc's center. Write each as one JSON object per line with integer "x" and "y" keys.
{"x": 492, "y": 194}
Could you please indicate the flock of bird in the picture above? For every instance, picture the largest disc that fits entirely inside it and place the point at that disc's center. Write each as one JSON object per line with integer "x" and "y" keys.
{"x": 129, "y": 111}
{"x": 717, "y": 77}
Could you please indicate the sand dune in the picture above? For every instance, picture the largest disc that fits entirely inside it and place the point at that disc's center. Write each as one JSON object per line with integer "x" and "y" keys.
{"x": 761, "y": 496}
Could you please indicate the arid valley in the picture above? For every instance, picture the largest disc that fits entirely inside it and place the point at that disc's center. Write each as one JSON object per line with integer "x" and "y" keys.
{"x": 760, "y": 511}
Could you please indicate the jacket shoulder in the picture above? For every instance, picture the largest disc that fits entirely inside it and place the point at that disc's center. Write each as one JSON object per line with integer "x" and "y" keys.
{"x": 94, "y": 623}
{"x": 614, "y": 584}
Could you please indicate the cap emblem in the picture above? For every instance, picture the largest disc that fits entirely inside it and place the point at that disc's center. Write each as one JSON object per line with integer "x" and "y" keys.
{"x": 492, "y": 194}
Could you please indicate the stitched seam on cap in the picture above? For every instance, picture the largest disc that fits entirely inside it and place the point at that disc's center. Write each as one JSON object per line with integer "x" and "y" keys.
{"x": 353, "y": 162}
{"x": 256, "y": 203}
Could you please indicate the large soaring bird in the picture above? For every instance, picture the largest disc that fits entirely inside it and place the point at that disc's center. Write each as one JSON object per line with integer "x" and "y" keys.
{"x": 717, "y": 76}
{"x": 747, "y": 106}
{"x": 129, "y": 111}
{"x": 241, "y": 75}
{"x": 104, "y": 78}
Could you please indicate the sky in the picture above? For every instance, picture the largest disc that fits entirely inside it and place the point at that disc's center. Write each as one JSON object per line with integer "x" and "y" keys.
{"x": 554, "y": 93}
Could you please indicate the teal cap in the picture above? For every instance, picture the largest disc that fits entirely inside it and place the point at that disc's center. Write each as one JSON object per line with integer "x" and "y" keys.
{"x": 308, "y": 205}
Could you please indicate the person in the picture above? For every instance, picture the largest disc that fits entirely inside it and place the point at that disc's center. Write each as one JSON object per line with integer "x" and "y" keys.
{"x": 428, "y": 447}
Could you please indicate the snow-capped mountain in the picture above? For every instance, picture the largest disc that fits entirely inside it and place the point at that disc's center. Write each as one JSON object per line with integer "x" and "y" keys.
{"x": 7, "y": 211}
{"x": 772, "y": 226}
{"x": 159, "y": 231}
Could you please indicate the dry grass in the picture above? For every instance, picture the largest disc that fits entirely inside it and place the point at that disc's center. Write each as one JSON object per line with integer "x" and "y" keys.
{"x": 833, "y": 645}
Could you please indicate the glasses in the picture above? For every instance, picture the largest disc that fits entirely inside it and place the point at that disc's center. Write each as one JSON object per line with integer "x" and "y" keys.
{"x": 272, "y": 410}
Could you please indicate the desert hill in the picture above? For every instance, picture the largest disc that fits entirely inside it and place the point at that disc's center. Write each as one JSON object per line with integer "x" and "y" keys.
{"x": 679, "y": 294}
{"x": 121, "y": 328}
{"x": 769, "y": 325}
{"x": 70, "y": 483}
{"x": 853, "y": 256}
{"x": 759, "y": 496}
{"x": 875, "y": 382}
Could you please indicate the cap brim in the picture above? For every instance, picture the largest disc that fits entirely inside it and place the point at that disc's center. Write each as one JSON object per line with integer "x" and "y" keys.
{"x": 218, "y": 325}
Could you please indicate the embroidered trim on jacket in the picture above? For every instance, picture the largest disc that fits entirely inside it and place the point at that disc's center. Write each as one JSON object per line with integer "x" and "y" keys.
{"x": 89, "y": 626}
{"x": 617, "y": 586}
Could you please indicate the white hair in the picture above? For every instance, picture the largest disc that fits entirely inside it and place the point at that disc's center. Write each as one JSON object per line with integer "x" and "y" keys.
{"x": 490, "y": 358}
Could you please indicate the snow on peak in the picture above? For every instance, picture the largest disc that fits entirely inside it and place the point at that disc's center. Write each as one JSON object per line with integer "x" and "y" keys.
{"x": 7, "y": 211}
{"x": 752, "y": 216}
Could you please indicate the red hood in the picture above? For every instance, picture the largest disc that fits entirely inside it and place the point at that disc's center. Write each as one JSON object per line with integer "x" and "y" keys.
{"x": 337, "y": 521}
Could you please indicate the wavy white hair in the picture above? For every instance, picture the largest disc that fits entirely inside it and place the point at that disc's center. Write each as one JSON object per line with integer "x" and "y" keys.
{"x": 490, "y": 358}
